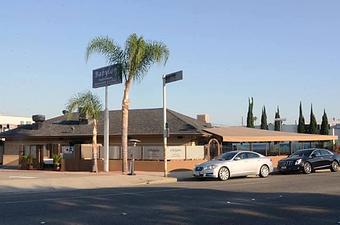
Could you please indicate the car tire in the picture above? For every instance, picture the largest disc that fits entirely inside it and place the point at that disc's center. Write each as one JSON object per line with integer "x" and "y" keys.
{"x": 264, "y": 171}
{"x": 307, "y": 168}
{"x": 223, "y": 174}
{"x": 334, "y": 166}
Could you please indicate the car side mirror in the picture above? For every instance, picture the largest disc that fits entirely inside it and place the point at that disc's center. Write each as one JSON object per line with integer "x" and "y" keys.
{"x": 237, "y": 158}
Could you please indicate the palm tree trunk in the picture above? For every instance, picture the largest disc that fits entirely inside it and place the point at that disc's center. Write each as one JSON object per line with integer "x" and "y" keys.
{"x": 95, "y": 147}
{"x": 125, "y": 120}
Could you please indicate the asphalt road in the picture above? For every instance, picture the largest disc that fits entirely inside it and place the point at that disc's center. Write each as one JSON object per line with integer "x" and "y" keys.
{"x": 281, "y": 199}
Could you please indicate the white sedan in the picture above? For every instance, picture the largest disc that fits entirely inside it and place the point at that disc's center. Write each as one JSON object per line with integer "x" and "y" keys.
{"x": 235, "y": 164}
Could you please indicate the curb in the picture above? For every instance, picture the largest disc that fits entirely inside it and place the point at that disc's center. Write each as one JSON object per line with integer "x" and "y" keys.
{"x": 168, "y": 180}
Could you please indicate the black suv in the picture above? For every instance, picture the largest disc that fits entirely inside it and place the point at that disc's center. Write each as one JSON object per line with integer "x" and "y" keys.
{"x": 309, "y": 160}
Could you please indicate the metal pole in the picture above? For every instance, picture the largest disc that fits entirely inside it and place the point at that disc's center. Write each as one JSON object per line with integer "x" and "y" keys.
{"x": 106, "y": 134}
{"x": 165, "y": 138}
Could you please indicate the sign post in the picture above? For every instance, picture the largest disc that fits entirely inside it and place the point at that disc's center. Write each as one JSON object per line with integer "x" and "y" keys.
{"x": 168, "y": 78}
{"x": 104, "y": 77}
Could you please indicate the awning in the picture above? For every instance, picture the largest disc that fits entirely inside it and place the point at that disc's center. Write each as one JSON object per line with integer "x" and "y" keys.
{"x": 244, "y": 134}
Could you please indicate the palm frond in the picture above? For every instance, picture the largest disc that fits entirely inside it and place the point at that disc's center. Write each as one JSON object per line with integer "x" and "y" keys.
{"x": 86, "y": 103}
{"x": 141, "y": 55}
{"x": 106, "y": 47}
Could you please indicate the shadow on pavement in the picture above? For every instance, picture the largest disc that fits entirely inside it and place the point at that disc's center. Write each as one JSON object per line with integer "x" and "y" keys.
{"x": 170, "y": 205}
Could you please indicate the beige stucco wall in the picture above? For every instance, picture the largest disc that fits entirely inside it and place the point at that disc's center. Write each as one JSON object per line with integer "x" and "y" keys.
{"x": 12, "y": 149}
{"x": 11, "y": 154}
{"x": 156, "y": 140}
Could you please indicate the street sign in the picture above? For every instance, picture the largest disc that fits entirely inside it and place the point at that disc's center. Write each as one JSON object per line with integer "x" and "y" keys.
{"x": 107, "y": 76}
{"x": 173, "y": 77}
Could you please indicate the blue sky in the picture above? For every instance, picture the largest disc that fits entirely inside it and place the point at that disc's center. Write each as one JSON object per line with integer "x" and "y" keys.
{"x": 279, "y": 52}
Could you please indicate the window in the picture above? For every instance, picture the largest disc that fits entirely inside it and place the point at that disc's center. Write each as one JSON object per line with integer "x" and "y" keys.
{"x": 325, "y": 152}
{"x": 252, "y": 155}
{"x": 243, "y": 155}
{"x": 317, "y": 153}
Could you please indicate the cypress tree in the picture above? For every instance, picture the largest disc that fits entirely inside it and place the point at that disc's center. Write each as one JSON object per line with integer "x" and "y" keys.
{"x": 324, "y": 125}
{"x": 264, "y": 124}
{"x": 313, "y": 126}
{"x": 301, "y": 126}
{"x": 250, "y": 116}
{"x": 277, "y": 124}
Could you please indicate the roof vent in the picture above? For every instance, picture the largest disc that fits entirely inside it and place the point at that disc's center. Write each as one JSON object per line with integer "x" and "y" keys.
{"x": 38, "y": 118}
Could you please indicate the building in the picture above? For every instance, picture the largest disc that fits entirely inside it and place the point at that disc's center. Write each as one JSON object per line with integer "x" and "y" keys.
{"x": 191, "y": 141}
{"x": 11, "y": 122}
{"x": 44, "y": 138}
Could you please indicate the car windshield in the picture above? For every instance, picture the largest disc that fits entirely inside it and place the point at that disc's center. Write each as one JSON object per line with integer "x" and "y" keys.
{"x": 226, "y": 156}
{"x": 301, "y": 153}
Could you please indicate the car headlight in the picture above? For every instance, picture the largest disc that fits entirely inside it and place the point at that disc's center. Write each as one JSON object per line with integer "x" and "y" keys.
{"x": 297, "y": 162}
{"x": 211, "y": 167}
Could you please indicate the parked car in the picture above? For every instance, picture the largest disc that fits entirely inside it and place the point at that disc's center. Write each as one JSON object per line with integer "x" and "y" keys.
{"x": 309, "y": 160}
{"x": 235, "y": 164}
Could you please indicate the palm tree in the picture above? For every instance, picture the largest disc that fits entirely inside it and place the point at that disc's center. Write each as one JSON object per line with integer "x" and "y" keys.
{"x": 136, "y": 59}
{"x": 88, "y": 105}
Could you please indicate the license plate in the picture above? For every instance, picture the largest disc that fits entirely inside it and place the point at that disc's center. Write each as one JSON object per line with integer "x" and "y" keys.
{"x": 284, "y": 167}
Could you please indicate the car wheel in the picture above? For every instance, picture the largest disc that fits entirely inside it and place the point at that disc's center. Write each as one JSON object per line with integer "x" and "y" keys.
{"x": 223, "y": 173}
{"x": 264, "y": 171}
{"x": 334, "y": 166}
{"x": 307, "y": 168}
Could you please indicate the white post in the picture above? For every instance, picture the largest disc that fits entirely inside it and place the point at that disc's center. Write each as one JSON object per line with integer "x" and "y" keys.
{"x": 165, "y": 138}
{"x": 106, "y": 134}
{"x": 333, "y": 133}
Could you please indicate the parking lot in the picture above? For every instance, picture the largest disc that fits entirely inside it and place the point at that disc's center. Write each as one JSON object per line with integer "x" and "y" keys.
{"x": 280, "y": 199}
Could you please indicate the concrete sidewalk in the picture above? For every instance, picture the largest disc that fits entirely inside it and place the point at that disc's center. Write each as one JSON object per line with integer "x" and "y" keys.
{"x": 14, "y": 181}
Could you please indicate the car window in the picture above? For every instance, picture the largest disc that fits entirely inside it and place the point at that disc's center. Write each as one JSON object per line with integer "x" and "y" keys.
{"x": 325, "y": 152}
{"x": 252, "y": 155}
{"x": 226, "y": 156}
{"x": 301, "y": 153}
{"x": 242, "y": 155}
{"x": 317, "y": 153}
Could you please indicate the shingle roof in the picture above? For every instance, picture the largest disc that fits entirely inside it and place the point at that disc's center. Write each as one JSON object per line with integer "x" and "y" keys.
{"x": 141, "y": 122}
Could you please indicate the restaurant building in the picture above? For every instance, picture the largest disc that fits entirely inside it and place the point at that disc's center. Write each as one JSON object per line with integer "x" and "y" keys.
{"x": 191, "y": 141}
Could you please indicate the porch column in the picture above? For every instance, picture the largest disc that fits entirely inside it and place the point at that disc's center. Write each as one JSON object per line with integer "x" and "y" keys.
{"x": 41, "y": 159}
{"x": 267, "y": 146}
{"x": 290, "y": 147}
{"x": 250, "y": 146}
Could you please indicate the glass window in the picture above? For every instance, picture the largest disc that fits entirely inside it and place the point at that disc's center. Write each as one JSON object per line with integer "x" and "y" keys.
{"x": 317, "y": 153}
{"x": 301, "y": 153}
{"x": 243, "y": 155}
{"x": 252, "y": 155}
{"x": 325, "y": 152}
{"x": 226, "y": 156}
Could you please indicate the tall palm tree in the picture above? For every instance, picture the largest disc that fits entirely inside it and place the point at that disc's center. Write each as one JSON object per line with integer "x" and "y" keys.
{"x": 136, "y": 59}
{"x": 88, "y": 105}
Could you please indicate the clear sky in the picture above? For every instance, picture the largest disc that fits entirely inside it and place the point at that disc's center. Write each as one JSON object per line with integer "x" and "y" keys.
{"x": 279, "y": 52}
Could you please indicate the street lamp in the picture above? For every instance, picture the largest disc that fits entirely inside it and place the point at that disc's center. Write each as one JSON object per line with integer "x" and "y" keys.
{"x": 168, "y": 78}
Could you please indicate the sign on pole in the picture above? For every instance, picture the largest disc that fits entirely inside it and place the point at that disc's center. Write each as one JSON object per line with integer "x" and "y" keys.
{"x": 104, "y": 77}
{"x": 168, "y": 78}
{"x": 107, "y": 76}
{"x": 171, "y": 77}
